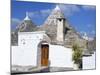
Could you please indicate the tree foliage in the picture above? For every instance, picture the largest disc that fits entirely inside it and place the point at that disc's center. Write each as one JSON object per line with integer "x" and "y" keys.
{"x": 77, "y": 54}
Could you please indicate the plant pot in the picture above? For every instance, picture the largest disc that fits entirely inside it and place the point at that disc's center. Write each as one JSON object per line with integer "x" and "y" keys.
{"x": 76, "y": 66}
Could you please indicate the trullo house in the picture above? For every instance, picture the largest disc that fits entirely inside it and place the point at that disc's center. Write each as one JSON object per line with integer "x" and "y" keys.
{"x": 49, "y": 45}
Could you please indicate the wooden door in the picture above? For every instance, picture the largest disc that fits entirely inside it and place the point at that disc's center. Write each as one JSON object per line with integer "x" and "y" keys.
{"x": 44, "y": 55}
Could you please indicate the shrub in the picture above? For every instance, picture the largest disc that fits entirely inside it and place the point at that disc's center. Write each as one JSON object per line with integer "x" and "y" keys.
{"x": 77, "y": 54}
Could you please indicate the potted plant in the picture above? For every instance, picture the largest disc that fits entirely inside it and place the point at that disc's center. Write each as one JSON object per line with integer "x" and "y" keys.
{"x": 77, "y": 57}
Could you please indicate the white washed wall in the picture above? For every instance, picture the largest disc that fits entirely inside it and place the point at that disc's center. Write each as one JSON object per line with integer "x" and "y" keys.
{"x": 30, "y": 38}
{"x": 60, "y": 56}
{"x": 26, "y": 54}
{"x": 89, "y": 62}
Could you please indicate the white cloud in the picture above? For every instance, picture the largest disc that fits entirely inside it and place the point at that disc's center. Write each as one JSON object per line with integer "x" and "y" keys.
{"x": 15, "y": 21}
{"x": 93, "y": 32}
{"x": 47, "y": 11}
{"x": 83, "y": 33}
{"x": 42, "y": 13}
{"x": 88, "y": 7}
{"x": 89, "y": 25}
{"x": 72, "y": 9}
{"x": 33, "y": 14}
{"x": 69, "y": 9}
{"x": 86, "y": 36}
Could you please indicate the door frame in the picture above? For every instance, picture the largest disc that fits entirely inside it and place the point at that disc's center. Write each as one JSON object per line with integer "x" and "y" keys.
{"x": 39, "y": 53}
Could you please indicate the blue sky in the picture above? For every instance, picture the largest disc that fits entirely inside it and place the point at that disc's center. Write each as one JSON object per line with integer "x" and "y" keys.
{"x": 81, "y": 17}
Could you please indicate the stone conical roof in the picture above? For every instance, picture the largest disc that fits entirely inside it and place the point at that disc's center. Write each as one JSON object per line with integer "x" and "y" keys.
{"x": 26, "y": 25}
{"x": 56, "y": 13}
{"x": 50, "y": 24}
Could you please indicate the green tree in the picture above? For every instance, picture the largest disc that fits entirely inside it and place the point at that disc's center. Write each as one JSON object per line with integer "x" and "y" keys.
{"x": 77, "y": 54}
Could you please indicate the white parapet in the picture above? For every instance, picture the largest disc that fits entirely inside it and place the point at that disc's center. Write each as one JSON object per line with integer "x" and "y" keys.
{"x": 89, "y": 61}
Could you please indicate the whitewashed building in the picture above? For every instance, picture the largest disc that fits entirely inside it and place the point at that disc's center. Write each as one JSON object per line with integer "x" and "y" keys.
{"x": 34, "y": 49}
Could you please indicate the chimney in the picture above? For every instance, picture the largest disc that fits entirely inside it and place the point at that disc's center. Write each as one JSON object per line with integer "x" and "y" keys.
{"x": 60, "y": 29}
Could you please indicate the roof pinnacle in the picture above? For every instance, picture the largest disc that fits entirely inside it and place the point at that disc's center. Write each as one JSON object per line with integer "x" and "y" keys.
{"x": 27, "y": 16}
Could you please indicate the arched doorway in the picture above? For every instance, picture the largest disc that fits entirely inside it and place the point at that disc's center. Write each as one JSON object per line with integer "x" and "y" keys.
{"x": 43, "y": 54}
